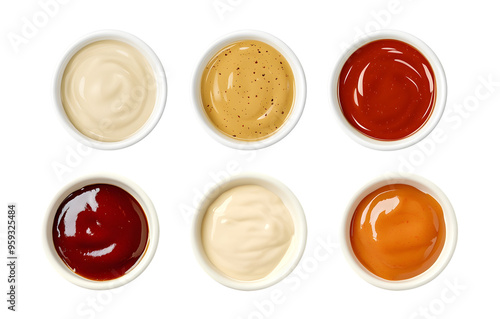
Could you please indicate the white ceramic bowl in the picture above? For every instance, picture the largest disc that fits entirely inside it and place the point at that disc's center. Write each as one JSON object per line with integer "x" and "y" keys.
{"x": 161, "y": 87}
{"x": 439, "y": 103}
{"x": 291, "y": 258}
{"x": 450, "y": 223}
{"x": 300, "y": 89}
{"x": 142, "y": 199}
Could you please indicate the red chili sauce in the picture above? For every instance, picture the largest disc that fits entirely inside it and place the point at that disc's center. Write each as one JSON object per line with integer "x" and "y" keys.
{"x": 387, "y": 90}
{"x": 100, "y": 231}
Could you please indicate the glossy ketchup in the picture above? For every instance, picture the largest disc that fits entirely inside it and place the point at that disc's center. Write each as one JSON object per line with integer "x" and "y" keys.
{"x": 100, "y": 231}
{"x": 397, "y": 232}
{"x": 387, "y": 90}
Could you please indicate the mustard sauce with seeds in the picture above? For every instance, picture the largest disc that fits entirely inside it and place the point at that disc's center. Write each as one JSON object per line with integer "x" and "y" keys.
{"x": 248, "y": 90}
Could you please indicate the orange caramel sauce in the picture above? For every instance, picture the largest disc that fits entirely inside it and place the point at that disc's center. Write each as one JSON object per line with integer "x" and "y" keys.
{"x": 397, "y": 232}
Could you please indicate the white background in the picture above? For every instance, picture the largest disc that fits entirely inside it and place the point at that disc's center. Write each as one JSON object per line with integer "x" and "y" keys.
{"x": 322, "y": 165}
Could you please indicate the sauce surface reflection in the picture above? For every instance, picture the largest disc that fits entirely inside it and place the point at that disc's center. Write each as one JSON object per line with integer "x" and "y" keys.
{"x": 100, "y": 231}
{"x": 397, "y": 232}
{"x": 387, "y": 90}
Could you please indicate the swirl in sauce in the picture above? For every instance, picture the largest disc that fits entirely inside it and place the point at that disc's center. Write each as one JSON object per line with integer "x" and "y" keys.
{"x": 108, "y": 90}
{"x": 246, "y": 232}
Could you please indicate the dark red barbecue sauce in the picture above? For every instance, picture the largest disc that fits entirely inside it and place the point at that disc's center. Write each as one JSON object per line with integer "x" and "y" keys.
{"x": 100, "y": 231}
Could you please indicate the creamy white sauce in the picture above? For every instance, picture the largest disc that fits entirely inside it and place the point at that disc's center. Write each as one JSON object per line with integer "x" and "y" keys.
{"x": 108, "y": 90}
{"x": 246, "y": 232}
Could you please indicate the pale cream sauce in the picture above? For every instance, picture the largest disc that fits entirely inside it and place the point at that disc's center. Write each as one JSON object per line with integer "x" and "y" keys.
{"x": 108, "y": 90}
{"x": 246, "y": 232}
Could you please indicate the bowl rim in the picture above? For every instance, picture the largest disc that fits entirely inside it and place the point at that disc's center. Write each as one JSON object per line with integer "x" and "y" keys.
{"x": 300, "y": 88}
{"x": 151, "y": 217}
{"x": 156, "y": 66}
{"x": 300, "y": 235}
{"x": 450, "y": 224}
{"x": 439, "y": 104}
